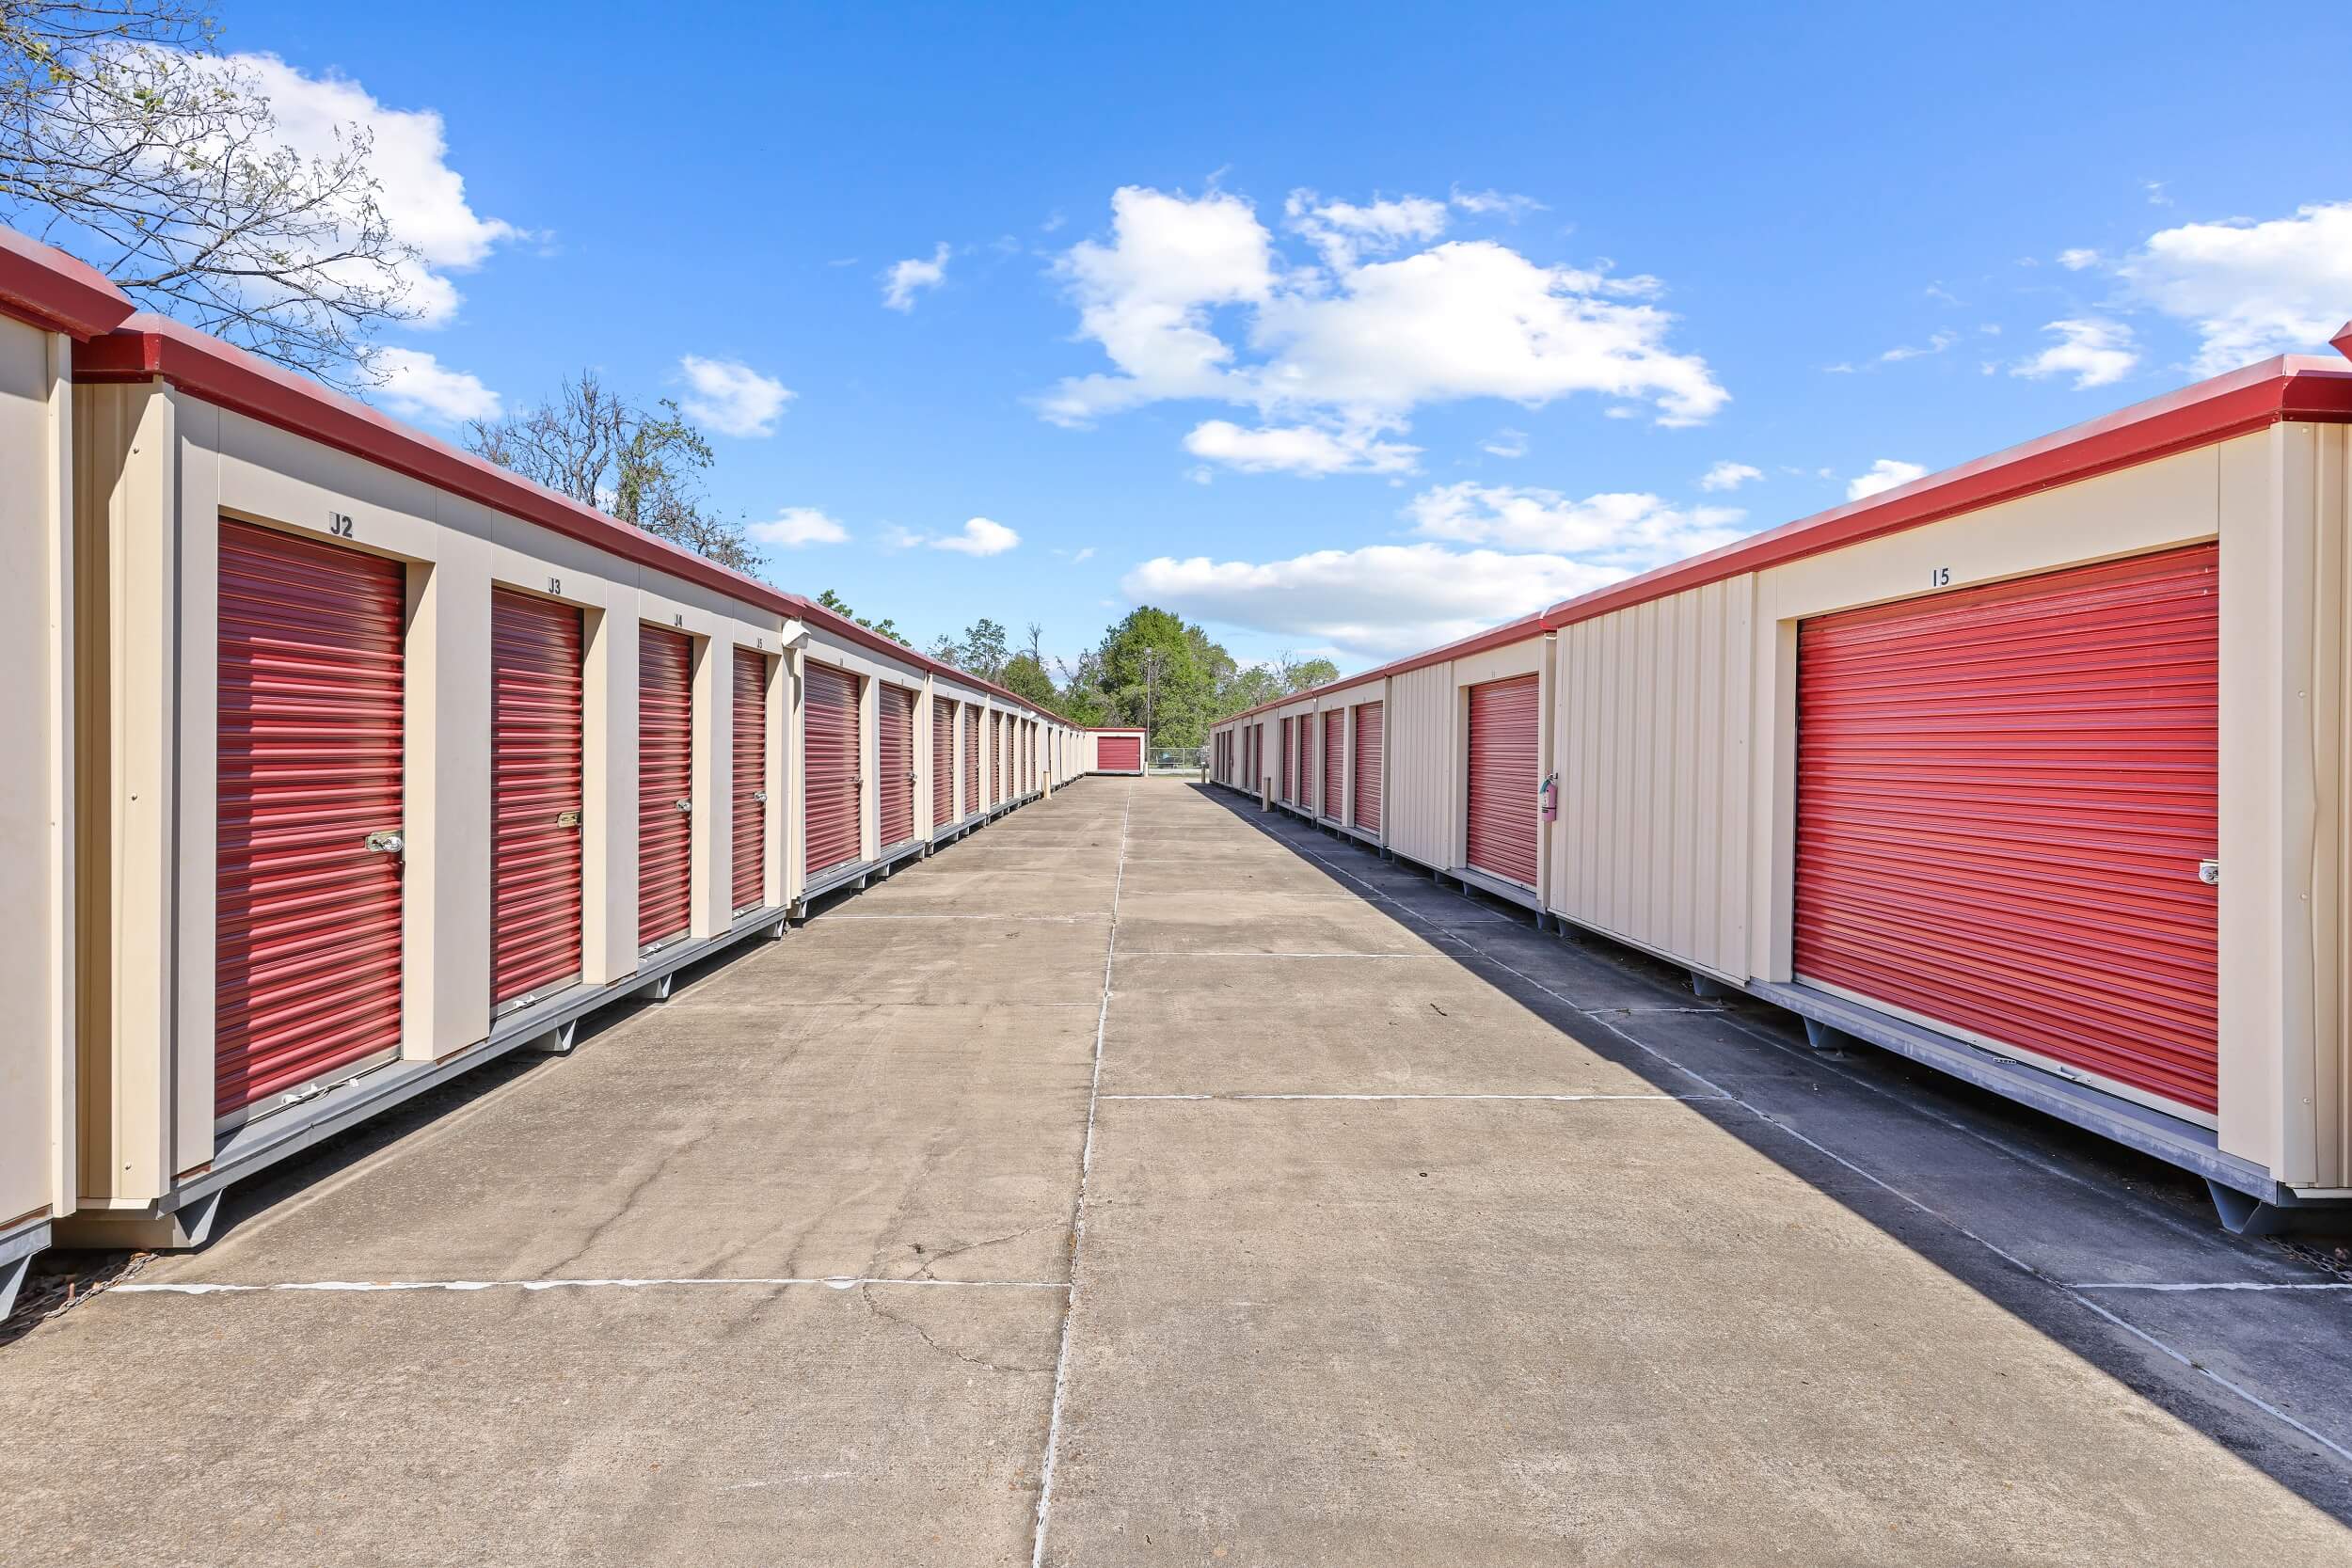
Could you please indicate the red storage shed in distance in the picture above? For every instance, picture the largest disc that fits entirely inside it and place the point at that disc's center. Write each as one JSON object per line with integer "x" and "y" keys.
{"x": 1116, "y": 750}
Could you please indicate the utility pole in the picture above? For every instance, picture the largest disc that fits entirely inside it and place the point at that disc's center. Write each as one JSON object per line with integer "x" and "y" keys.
{"x": 1151, "y": 689}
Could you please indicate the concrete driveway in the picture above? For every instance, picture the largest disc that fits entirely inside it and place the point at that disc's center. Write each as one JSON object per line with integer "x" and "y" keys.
{"x": 1149, "y": 1180}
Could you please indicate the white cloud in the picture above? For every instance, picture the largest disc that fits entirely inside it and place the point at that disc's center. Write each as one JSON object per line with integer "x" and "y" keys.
{"x": 903, "y": 279}
{"x": 2092, "y": 351}
{"x": 978, "y": 536}
{"x": 731, "y": 397}
{"x": 1085, "y": 554}
{"x": 1937, "y": 344}
{"x": 1310, "y": 450}
{"x": 1628, "y": 531}
{"x": 1505, "y": 442}
{"x": 2076, "y": 260}
{"x": 1728, "y": 476}
{"x": 796, "y": 527}
{"x": 2251, "y": 289}
{"x": 1482, "y": 202}
{"x": 1185, "y": 285}
{"x": 422, "y": 197}
{"x": 1885, "y": 474}
{"x": 1384, "y": 599}
{"x": 1345, "y": 233}
{"x": 416, "y": 384}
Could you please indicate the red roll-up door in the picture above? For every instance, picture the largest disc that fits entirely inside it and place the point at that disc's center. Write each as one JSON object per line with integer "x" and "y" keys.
{"x": 971, "y": 759}
{"x": 1119, "y": 753}
{"x": 750, "y": 758}
{"x": 2003, "y": 796}
{"x": 1310, "y": 760}
{"x": 1503, "y": 780}
{"x": 829, "y": 762}
{"x": 536, "y": 791}
{"x": 894, "y": 761}
{"x": 1334, "y": 761}
{"x": 1368, "y": 717}
{"x": 665, "y": 785}
{"x": 1290, "y": 753}
{"x": 943, "y": 762}
{"x": 307, "y": 952}
{"x": 995, "y": 759}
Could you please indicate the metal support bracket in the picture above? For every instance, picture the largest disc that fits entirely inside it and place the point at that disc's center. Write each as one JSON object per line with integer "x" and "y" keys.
{"x": 556, "y": 1041}
{"x": 1823, "y": 1036}
{"x": 1708, "y": 988}
{"x": 657, "y": 989}
{"x": 11, "y": 1279}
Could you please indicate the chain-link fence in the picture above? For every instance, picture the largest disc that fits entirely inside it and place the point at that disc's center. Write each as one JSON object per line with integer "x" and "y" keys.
{"x": 1176, "y": 759}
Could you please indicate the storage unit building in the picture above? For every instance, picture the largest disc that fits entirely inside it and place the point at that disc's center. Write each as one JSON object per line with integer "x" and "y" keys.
{"x": 1958, "y": 770}
{"x": 1118, "y": 751}
{"x": 380, "y": 761}
{"x": 48, "y": 303}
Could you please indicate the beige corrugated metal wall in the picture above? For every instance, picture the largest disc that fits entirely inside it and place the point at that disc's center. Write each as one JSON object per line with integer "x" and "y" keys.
{"x": 2332, "y": 757}
{"x": 1650, "y": 738}
{"x": 1422, "y": 814}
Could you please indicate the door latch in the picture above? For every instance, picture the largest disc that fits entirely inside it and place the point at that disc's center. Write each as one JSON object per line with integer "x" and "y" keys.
{"x": 567, "y": 818}
{"x": 685, "y": 806}
{"x": 2209, "y": 873}
{"x": 760, "y": 795}
{"x": 386, "y": 844}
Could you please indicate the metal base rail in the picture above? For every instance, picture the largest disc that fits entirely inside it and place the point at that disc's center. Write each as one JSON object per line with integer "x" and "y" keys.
{"x": 2249, "y": 1200}
{"x": 16, "y": 1255}
{"x": 183, "y": 1217}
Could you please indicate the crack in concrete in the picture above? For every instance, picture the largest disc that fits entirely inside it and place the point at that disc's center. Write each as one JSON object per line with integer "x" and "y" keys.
{"x": 925, "y": 1335}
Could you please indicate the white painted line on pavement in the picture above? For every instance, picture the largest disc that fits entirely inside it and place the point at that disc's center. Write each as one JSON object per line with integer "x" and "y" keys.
{"x": 832, "y": 1282}
{"x": 1669, "y": 1098}
{"x": 2217, "y": 1285}
{"x": 1078, "y": 1206}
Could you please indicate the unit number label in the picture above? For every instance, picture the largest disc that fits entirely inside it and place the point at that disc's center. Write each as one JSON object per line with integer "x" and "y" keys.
{"x": 1939, "y": 577}
{"x": 339, "y": 524}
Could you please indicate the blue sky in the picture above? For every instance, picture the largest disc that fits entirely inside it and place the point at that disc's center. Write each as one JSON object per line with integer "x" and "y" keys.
{"x": 1404, "y": 322}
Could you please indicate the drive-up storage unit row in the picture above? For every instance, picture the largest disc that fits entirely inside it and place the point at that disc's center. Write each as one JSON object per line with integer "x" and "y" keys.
{"x": 345, "y": 761}
{"x": 2034, "y": 770}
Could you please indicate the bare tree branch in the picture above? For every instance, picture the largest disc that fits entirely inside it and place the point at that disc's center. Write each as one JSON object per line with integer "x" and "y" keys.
{"x": 126, "y": 138}
{"x": 643, "y": 467}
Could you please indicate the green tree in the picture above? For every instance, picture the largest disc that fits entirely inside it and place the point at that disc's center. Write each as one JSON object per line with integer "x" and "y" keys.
{"x": 1299, "y": 676}
{"x": 1025, "y": 676}
{"x": 834, "y": 602}
{"x": 1081, "y": 700}
{"x": 1153, "y": 674}
{"x": 984, "y": 650}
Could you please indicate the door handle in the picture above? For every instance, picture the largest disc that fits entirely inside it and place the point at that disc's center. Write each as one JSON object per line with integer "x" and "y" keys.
{"x": 389, "y": 843}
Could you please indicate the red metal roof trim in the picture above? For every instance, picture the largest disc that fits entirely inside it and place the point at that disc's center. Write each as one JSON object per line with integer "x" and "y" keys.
{"x": 2291, "y": 387}
{"x": 1478, "y": 642}
{"x": 54, "y": 292}
{"x": 148, "y": 346}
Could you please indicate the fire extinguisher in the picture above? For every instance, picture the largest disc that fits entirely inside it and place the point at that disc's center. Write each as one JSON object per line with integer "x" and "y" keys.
{"x": 1550, "y": 794}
